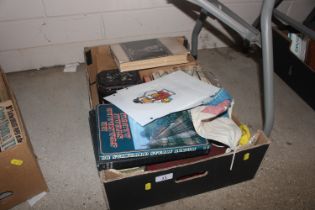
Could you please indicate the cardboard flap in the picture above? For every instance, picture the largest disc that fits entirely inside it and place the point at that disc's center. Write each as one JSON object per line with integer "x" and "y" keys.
{"x": 98, "y": 59}
{"x": 4, "y": 92}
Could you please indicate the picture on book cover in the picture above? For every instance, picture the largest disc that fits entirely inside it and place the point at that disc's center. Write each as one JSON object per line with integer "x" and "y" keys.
{"x": 120, "y": 135}
{"x": 173, "y": 130}
{"x": 155, "y": 96}
{"x": 145, "y": 49}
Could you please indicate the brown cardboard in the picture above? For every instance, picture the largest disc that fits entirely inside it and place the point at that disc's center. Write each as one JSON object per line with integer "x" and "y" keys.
{"x": 4, "y": 95}
{"x": 20, "y": 175}
{"x": 310, "y": 59}
{"x": 101, "y": 60}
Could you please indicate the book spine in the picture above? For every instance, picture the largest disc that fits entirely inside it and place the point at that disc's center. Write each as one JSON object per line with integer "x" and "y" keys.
{"x": 99, "y": 142}
{"x": 141, "y": 161}
{"x": 94, "y": 135}
{"x": 154, "y": 152}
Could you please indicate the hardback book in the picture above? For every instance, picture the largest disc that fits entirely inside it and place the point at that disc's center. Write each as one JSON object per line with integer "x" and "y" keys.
{"x": 215, "y": 150}
{"x": 120, "y": 142}
{"x": 194, "y": 71}
{"x": 144, "y": 54}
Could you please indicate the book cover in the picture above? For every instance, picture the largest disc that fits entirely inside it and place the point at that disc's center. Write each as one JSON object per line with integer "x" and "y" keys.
{"x": 144, "y": 54}
{"x": 120, "y": 139}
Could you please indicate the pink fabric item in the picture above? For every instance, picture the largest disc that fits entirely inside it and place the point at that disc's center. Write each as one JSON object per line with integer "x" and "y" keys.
{"x": 218, "y": 109}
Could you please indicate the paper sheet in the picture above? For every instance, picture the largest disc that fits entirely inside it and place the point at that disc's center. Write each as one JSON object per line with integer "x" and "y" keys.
{"x": 32, "y": 201}
{"x": 174, "y": 92}
{"x": 71, "y": 67}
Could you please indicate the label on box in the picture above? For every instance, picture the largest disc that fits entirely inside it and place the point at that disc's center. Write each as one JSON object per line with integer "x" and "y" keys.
{"x": 164, "y": 177}
{"x": 246, "y": 156}
{"x": 10, "y": 130}
{"x": 16, "y": 162}
{"x": 147, "y": 186}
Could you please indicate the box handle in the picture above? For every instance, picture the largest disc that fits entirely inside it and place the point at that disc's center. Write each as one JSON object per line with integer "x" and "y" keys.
{"x": 5, "y": 194}
{"x": 192, "y": 176}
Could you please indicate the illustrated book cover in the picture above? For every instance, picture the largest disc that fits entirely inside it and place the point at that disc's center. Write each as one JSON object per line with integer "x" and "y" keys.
{"x": 144, "y": 54}
{"x": 120, "y": 142}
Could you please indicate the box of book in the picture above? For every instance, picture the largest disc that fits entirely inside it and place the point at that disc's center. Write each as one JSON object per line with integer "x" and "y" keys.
{"x": 20, "y": 175}
{"x": 154, "y": 183}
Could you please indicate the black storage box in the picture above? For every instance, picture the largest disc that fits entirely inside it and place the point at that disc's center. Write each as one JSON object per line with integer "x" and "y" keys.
{"x": 149, "y": 188}
{"x": 296, "y": 73}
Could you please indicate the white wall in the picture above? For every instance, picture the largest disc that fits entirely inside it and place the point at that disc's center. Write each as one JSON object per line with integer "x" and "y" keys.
{"x": 41, "y": 33}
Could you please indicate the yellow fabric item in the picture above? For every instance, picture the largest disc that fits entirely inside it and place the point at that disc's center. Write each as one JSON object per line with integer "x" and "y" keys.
{"x": 245, "y": 134}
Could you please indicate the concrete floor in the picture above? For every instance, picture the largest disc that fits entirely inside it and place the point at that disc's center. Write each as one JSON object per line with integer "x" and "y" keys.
{"x": 55, "y": 108}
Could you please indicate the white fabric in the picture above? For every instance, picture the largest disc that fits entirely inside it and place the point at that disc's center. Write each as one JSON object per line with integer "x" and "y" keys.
{"x": 188, "y": 92}
{"x": 221, "y": 129}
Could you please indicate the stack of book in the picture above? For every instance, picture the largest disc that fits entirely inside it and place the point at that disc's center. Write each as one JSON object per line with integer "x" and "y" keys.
{"x": 130, "y": 57}
{"x": 119, "y": 141}
{"x": 145, "y": 54}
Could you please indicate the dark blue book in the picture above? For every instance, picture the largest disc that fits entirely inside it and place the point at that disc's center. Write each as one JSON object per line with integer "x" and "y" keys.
{"x": 120, "y": 142}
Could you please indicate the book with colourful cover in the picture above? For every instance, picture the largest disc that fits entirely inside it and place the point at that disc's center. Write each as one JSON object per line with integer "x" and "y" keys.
{"x": 120, "y": 142}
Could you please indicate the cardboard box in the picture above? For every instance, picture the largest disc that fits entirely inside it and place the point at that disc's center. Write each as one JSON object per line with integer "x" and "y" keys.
{"x": 20, "y": 175}
{"x": 154, "y": 187}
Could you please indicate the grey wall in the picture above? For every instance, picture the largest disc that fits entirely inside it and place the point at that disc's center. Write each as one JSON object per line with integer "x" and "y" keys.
{"x": 41, "y": 33}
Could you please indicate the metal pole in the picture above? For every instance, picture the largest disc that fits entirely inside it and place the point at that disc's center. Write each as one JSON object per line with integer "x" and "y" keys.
{"x": 196, "y": 31}
{"x": 256, "y": 23}
{"x": 231, "y": 19}
{"x": 295, "y": 24}
{"x": 267, "y": 54}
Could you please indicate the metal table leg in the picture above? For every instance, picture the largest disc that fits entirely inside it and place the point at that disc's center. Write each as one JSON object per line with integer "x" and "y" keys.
{"x": 248, "y": 32}
{"x": 194, "y": 37}
{"x": 267, "y": 55}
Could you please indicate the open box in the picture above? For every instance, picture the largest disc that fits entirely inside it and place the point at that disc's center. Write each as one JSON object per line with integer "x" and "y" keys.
{"x": 20, "y": 175}
{"x": 149, "y": 188}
